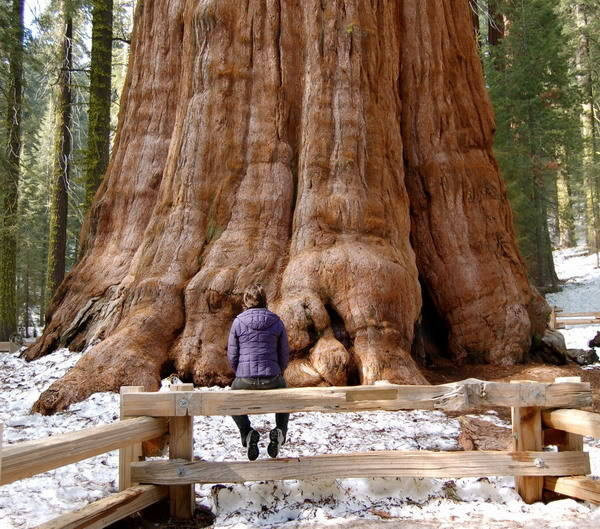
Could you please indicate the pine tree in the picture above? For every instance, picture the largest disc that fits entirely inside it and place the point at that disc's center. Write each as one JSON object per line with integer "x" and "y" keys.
{"x": 533, "y": 96}
{"x": 9, "y": 172}
{"x": 587, "y": 15}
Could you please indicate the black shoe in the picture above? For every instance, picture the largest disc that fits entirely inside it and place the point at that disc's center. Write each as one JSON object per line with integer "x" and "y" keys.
{"x": 252, "y": 444}
{"x": 277, "y": 439}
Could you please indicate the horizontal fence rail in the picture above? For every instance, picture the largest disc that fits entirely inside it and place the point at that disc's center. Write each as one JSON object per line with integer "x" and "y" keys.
{"x": 580, "y": 487}
{"x": 366, "y": 465}
{"x": 26, "y": 459}
{"x": 106, "y": 511}
{"x": 146, "y": 416}
{"x": 559, "y": 319}
{"x": 461, "y": 396}
{"x": 573, "y": 421}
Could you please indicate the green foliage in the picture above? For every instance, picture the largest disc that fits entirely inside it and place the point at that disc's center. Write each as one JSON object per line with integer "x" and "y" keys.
{"x": 582, "y": 22}
{"x": 12, "y": 50}
{"x": 41, "y": 68}
{"x": 536, "y": 100}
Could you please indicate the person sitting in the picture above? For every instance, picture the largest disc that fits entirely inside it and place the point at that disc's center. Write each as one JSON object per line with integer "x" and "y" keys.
{"x": 258, "y": 352}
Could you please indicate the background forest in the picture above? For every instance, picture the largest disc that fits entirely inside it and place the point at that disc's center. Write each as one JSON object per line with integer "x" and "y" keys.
{"x": 62, "y": 68}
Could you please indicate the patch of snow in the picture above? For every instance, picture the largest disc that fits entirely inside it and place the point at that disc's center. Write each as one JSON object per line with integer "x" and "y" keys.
{"x": 582, "y": 290}
{"x": 581, "y": 293}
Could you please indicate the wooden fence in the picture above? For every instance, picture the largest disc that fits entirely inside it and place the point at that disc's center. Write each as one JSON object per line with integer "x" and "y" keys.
{"x": 559, "y": 319}
{"x": 542, "y": 414}
{"x": 9, "y": 347}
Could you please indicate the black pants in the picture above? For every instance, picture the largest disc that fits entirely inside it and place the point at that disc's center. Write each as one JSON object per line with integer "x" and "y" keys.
{"x": 242, "y": 421}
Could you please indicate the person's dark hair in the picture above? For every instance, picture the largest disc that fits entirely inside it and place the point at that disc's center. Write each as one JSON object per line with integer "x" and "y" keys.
{"x": 255, "y": 297}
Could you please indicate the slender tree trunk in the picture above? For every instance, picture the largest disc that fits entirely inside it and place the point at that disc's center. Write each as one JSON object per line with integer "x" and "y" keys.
{"x": 9, "y": 177}
{"x": 569, "y": 237}
{"x": 333, "y": 151}
{"x": 475, "y": 20}
{"x": 100, "y": 98}
{"x": 555, "y": 210}
{"x": 26, "y": 319}
{"x": 496, "y": 27}
{"x": 544, "y": 271}
{"x": 595, "y": 166}
{"x": 495, "y": 23}
{"x": 42, "y": 300}
{"x": 57, "y": 228}
{"x": 585, "y": 67}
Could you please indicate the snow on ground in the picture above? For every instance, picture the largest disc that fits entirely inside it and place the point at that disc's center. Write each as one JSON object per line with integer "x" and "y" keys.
{"x": 28, "y": 502}
{"x": 581, "y": 292}
{"x": 456, "y": 502}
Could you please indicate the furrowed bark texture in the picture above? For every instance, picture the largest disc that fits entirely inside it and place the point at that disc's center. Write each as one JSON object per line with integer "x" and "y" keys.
{"x": 336, "y": 152}
{"x": 98, "y": 149}
{"x": 61, "y": 169}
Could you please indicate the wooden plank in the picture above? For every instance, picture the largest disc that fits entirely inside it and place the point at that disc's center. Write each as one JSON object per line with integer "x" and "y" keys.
{"x": 583, "y": 321}
{"x": 578, "y": 314}
{"x": 570, "y": 440}
{"x": 130, "y": 453}
{"x": 26, "y": 459}
{"x": 573, "y": 421}
{"x": 155, "y": 404}
{"x": 5, "y": 347}
{"x": 527, "y": 435}
{"x": 419, "y": 463}
{"x": 578, "y": 394}
{"x": 580, "y": 487}
{"x": 461, "y": 396}
{"x": 181, "y": 446}
{"x": 106, "y": 511}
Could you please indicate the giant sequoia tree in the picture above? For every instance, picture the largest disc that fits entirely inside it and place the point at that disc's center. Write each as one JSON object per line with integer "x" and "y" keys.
{"x": 339, "y": 153}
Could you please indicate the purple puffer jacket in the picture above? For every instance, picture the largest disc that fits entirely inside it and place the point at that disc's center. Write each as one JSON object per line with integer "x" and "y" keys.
{"x": 258, "y": 344}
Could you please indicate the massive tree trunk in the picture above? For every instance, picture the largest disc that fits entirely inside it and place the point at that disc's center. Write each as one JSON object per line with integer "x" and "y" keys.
{"x": 338, "y": 152}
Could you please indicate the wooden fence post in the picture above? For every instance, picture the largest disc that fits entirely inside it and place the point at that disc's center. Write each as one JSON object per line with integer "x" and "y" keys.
{"x": 572, "y": 441}
{"x": 553, "y": 319}
{"x": 128, "y": 454}
{"x": 181, "y": 446}
{"x": 527, "y": 435}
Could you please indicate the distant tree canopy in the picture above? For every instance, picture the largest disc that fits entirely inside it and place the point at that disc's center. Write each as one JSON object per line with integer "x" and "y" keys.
{"x": 538, "y": 56}
{"x": 42, "y": 63}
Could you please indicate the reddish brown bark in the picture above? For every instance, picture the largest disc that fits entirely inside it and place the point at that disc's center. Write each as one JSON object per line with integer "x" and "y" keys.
{"x": 295, "y": 143}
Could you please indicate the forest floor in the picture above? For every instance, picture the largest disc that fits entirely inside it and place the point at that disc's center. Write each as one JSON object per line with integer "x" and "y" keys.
{"x": 487, "y": 502}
